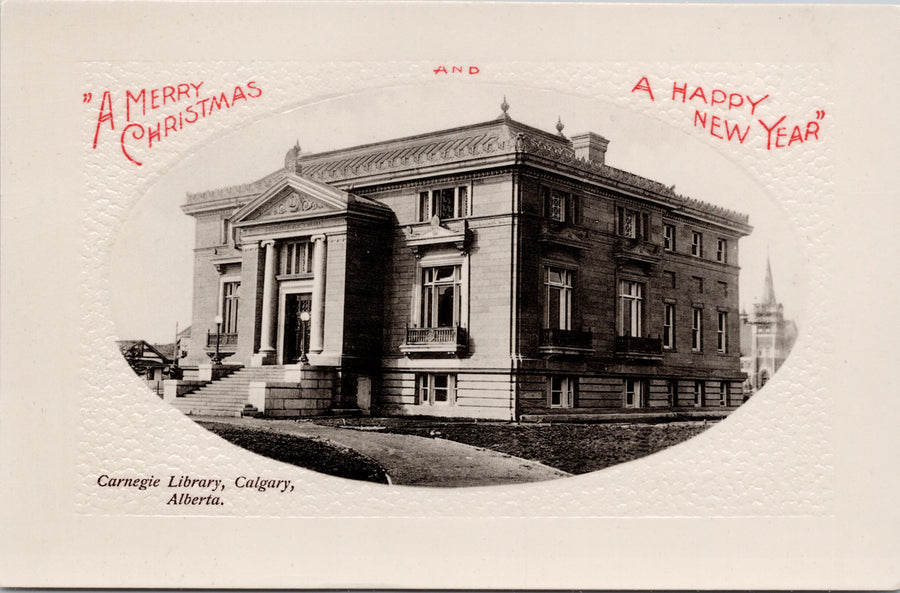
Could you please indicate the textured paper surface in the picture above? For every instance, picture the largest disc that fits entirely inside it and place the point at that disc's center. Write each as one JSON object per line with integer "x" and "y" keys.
{"x": 793, "y": 490}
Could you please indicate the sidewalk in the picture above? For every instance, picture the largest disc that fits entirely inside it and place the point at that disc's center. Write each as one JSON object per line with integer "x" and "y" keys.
{"x": 412, "y": 460}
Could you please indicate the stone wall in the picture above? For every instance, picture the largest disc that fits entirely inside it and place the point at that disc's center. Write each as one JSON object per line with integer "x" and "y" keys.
{"x": 209, "y": 246}
{"x": 310, "y": 396}
{"x": 596, "y": 272}
{"x": 250, "y": 307}
{"x": 478, "y": 395}
{"x": 481, "y": 391}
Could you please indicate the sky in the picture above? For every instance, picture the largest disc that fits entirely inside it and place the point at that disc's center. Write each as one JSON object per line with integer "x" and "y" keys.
{"x": 151, "y": 264}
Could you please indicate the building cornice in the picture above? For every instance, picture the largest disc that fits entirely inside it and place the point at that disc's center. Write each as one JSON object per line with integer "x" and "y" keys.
{"x": 713, "y": 217}
{"x": 467, "y": 149}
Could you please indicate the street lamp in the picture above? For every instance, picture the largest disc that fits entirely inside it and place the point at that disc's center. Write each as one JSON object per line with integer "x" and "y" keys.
{"x": 304, "y": 317}
{"x": 217, "y": 359}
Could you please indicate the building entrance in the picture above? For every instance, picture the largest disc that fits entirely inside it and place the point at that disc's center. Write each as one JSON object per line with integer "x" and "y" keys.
{"x": 297, "y": 309}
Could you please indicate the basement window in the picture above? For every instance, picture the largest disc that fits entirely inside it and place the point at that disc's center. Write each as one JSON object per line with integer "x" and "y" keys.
{"x": 436, "y": 389}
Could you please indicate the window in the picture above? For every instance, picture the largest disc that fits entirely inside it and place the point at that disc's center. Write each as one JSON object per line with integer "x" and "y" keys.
{"x": 634, "y": 393}
{"x": 436, "y": 389}
{"x": 669, "y": 237}
{"x": 668, "y": 340}
{"x": 555, "y": 204}
{"x": 697, "y": 244}
{"x": 699, "y": 393}
{"x": 723, "y": 288}
{"x": 445, "y": 203}
{"x": 672, "y": 392}
{"x": 562, "y": 392}
{"x": 558, "y": 308}
{"x": 632, "y": 224}
{"x": 697, "y": 329}
{"x": 296, "y": 258}
{"x": 559, "y": 205}
{"x": 722, "y": 251}
{"x": 722, "y": 332}
{"x": 724, "y": 393}
{"x": 440, "y": 306}
{"x": 670, "y": 279}
{"x": 698, "y": 284}
{"x": 230, "y": 300}
{"x": 630, "y": 308}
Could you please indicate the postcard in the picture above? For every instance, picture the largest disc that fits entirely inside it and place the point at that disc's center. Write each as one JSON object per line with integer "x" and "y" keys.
{"x": 437, "y": 295}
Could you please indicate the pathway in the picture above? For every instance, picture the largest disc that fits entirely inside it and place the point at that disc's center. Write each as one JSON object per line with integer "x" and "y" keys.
{"x": 412, "y": 460}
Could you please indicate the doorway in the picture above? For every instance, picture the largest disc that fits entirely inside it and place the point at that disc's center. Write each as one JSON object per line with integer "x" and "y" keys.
{"x": 297, "y": 307}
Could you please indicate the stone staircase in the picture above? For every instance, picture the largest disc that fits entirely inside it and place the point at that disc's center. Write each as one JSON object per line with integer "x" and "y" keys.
{"x": 227, "y": 396}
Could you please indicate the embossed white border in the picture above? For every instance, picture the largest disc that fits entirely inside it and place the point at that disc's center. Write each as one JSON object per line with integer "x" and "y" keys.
{"x": 850, "y": 543}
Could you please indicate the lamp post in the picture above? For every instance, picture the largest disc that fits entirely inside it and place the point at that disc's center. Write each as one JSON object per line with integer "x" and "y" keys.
{"x": 217, "y": 359}
{"x": 304, "y": 317}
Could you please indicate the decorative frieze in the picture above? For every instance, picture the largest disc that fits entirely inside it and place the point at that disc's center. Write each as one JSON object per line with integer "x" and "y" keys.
{"x": 293, "y": 203}
{"x": 482, "y": 142}
{"x": 245, "y": 189}
{"x": 435, "y": 153}
{"x": 726, "y": 214}
{"x": 564, "y": 236}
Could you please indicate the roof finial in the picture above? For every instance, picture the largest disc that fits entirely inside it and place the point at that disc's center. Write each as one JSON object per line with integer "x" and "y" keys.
{"x": 290, "y": 158}
{"x": 559, "y": 125}
{"x": 504, "y": 106}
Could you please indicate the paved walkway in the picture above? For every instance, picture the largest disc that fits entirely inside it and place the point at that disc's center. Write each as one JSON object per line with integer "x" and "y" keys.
{"x": 413, "y": 460}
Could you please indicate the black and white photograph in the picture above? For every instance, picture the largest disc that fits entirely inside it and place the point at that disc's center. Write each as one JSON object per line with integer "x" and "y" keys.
{"x": 482, "y": 300}
{"x": 448, "y": 296}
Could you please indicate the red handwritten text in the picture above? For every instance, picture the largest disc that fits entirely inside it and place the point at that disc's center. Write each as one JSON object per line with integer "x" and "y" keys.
{"x": 772, "y": 129}
{"x": 777, "y": 135}
{"x": 161, "y": 97}
{"x": 139, "y": 103}
{"x": 457, "y": 70}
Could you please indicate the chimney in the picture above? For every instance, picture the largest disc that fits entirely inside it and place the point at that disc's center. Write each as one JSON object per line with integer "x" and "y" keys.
{"x": 590, "y": 146}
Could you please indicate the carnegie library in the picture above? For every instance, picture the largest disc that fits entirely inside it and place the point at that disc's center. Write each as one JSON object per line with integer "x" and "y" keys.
{"x": 493, "y": 270}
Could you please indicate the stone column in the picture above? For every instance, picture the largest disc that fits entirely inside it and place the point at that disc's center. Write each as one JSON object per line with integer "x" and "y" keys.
{"x": 317, "y": 318}
{"x": 267, "y": 331}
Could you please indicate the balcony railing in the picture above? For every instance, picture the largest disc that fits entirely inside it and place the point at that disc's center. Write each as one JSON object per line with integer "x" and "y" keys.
{"x": 226, "y": 340}
{"x": 644, "y": 348}
{"x": 439, "y": 340}
{"x": 565, "y": 340}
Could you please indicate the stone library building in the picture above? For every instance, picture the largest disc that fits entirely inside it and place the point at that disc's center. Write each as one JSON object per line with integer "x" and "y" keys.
{"x": 491, "y": 271}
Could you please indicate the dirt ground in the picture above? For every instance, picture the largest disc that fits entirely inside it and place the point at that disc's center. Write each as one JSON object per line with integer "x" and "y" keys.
{"x": 304, "y": 452}
{"x": 570, "y": 447}
{"x": 574, "y": 448}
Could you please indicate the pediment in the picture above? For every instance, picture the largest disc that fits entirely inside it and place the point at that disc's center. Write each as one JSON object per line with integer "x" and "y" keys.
{"x": 290, "y": 198}
{"x": 292, "y": 202}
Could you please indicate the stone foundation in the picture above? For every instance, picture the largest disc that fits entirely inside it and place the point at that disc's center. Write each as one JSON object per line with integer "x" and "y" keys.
{"x": 309, "y": 395}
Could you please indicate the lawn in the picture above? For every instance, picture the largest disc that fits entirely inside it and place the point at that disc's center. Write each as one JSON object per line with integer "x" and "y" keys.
{"x": 304, "y": 452}
{"x": 574, "y": 448}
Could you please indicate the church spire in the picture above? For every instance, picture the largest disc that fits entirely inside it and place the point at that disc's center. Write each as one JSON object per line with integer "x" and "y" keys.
{"x": 768, "y": 297}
